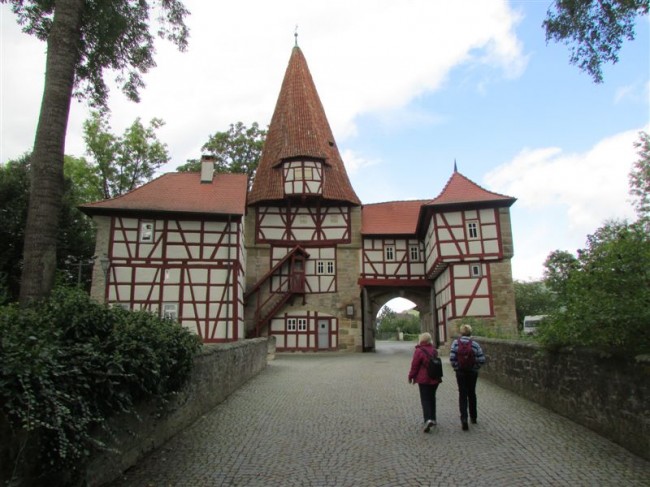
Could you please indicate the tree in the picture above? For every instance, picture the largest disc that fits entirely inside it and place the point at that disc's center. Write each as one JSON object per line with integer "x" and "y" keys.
{"x": 532, "y": 298}
{"x": 83, "y": 39}
{"x": 558, "y": 266}
{"x": 75, "y": 234}
{"x": 640, "y": 179}
{"x": 238, "y": 150}
{"x": 123, "y": 163}
{"x": 595, "y": 28}
{"x": 607, "y": 295}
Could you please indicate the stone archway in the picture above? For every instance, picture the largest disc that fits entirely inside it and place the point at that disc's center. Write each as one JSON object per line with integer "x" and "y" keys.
{"x": 375, "y": 297}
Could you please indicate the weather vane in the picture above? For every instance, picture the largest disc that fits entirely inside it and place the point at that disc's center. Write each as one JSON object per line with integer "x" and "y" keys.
{"x": 295, "y": 34}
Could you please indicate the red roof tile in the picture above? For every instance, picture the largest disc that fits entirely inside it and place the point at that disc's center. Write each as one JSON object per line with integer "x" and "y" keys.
{"x": 181, "y": 193}
{"x": 460, "y": 190}
{"x": 299, "y": 128}
{"x": 391, "y": 218}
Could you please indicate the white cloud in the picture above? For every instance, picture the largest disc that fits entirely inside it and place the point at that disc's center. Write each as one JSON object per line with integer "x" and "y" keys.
{"x": 564, "y": 197}
{"x": 366, "y": 56}
{"x": 355, "y": 162}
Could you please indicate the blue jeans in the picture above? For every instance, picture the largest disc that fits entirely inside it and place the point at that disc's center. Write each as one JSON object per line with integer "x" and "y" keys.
{"x": 428, "y": 400}
{"x": 466, "y": 380}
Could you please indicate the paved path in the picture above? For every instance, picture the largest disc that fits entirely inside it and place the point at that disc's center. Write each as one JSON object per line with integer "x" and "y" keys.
{"x": 353, "y": 420}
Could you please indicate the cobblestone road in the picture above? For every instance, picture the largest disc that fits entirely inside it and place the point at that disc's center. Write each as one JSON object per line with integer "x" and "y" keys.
{"x": 353, "y": 420}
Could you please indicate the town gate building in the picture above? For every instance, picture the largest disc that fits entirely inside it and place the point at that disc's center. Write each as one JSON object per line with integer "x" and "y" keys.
{"x": 299, "y": 256}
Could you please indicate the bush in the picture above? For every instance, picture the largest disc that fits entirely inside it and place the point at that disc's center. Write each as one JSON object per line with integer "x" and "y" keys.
{"x": 69, "y": 363}
{"x": 607, "y": 295}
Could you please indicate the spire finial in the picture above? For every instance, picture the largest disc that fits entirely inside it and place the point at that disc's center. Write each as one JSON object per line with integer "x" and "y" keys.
{"x": 455, "y": 166}
{"x": 295, "y": 34}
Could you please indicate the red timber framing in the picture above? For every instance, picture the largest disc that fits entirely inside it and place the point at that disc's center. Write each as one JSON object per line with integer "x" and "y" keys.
{"x": 189, "y": 270}
{"x": 460, "y": 236}
{"x": 464, "y": 290}
{"x": 302, "y": 178}
{"x": 288, "y": 277}
{"x": 305, "y": 331}
{"x": 327, "y": 225}
{"x": 392, "y": 258}
{"x": 320, "y": 269}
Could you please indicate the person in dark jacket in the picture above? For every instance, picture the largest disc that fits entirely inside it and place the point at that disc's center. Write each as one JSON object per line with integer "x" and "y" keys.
{"x": 466, "y": 378}
{"x": 419, "y": 375}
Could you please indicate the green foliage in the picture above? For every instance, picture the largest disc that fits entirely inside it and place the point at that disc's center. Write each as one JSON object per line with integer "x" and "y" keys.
{"x": 640, "y": 179}
{"x": 557, "y": 267}
{"x": 237, "y": 150}
{"x": 69, "y": 363}
{"x": 389, "y": 321}
{"x": 596, "y": 29}
{"x": 123, "y": 163}
{"x": 114, "y": 35}
{"x": 75, "y": 232}
{"x": 482, "y": 328}
{"x": 532, "y": 298}
{"x": 606, "y": 302}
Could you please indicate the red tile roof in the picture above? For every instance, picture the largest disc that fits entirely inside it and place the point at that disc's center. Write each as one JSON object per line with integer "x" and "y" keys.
{"x": 391, "y": 218}
{"x": 460, "y": 190}
{"x": 299, "y": 129}
{"x": 181, "y": 193}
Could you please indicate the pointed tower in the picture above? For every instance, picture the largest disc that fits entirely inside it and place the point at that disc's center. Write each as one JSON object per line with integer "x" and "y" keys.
{"x": 300, "y": 138}
{"x": 303, "y": 228}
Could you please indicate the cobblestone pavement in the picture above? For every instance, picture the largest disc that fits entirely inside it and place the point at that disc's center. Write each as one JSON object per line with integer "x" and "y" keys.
{"x": 353, "y": 420}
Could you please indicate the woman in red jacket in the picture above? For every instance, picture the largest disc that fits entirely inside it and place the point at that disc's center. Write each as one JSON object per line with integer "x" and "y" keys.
{"x": 418, "y": 374}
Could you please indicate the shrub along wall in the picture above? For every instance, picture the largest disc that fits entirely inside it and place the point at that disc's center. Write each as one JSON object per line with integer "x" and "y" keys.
{"x": 218, "y": 371}
{"x": 607, "y": 395}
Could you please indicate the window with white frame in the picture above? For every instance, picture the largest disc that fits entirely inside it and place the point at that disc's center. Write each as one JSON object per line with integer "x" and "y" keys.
{"x": 146, "y": 231}
{"x": 291, "y": 324}
{"x": 390, "y": 253}
{"x": 325, "y": 267}
{"x": 170, "y": 311}
{"x": 414, "y": 251}
{"x": 472, "y": 229}
{"x": 302, "y": 324}
{"x": 475, "y": 270}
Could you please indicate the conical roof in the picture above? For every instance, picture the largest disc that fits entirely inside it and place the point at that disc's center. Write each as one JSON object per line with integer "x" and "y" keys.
{"x": 299, "y": 129}
{"x": 461, "y": 190}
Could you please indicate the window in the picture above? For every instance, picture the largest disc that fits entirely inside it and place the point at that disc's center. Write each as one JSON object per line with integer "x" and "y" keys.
{"x": 146, "y": 231}
{"x": 170, "y": 311}
{"x": 302, "y": 324}
{"x": 415, "y": 252}
{"x": 475, "y": 270}
{"x": 472, "y": 229}
{"x": 325, "y": 267}
{"x": 309, "y": 173}
{"x": 390, "y": 253}
{"x": 291, "y": 324}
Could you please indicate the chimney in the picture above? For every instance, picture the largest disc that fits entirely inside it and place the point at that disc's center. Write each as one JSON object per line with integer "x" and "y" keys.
{"x": 207, "y": 168}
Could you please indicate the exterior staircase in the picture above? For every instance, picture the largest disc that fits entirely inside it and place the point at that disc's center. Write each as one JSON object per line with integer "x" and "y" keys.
{"x": 288, "y": 279}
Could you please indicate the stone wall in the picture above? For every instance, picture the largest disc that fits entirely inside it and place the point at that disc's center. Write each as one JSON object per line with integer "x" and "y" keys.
{"x": 219, "y": 370}
{"x": 607, "y": 395}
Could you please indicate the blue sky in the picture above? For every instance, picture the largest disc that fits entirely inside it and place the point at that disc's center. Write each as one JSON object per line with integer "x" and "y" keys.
{"x": 408, "y": 87}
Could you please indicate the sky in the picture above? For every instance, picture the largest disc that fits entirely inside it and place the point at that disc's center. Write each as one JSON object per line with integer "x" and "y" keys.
{"x": 408, "y": 87}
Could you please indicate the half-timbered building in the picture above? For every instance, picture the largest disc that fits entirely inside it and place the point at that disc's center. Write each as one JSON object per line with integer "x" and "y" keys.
{"x": 298, "y": 257}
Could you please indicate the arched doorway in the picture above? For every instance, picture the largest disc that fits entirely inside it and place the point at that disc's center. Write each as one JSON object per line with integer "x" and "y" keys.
{"x": 375, "y": 297}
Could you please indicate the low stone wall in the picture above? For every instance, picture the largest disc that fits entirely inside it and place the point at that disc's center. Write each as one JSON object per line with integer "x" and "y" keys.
{"x": 607, "y": 395}
{"x": 219, "y": 370}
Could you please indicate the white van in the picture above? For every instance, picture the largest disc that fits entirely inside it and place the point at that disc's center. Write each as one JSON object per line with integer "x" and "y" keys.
{"x": 531, "y": 322}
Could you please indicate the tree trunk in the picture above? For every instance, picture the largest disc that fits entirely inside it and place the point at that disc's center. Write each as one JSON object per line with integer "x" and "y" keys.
{"x": 46, "y": 192}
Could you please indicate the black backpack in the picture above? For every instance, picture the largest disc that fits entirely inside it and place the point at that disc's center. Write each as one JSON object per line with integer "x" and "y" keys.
{"x": 434, "y": 366}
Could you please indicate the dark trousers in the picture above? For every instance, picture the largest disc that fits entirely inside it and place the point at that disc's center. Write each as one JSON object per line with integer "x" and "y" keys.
{"x": 428, "y": 400}
{"x": 466, "y": 393}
